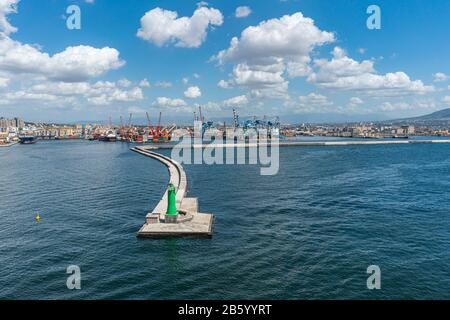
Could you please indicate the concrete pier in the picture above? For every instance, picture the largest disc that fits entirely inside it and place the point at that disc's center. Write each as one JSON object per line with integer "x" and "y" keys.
{"x": 283, "y": 143}
{"x": 190, "y": 222}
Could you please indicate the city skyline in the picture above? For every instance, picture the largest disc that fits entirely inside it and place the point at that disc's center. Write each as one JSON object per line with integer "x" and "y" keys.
{"x": 296, "y": 59}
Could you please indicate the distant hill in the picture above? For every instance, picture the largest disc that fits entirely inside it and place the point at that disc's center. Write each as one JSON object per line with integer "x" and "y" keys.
{"x": 438, "y": 116}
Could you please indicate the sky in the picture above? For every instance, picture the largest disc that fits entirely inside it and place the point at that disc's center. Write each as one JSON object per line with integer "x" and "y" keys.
{"x": 302, "y": 60}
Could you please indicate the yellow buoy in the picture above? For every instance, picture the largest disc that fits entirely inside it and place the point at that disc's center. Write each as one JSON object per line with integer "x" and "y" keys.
{"x": 38, "y": 218}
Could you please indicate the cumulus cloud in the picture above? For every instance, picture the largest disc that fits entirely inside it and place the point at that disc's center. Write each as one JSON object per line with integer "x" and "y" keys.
{"x": 288, "y": 37}
{"x": 440, "y": 77}
{"x": 4, "y": 82}
{"x": 163, "y": 84}
{"x": 193, "y": 92}
{"x": 446, "y": 100}
{"x": 7, "y": 7}
{"x": 168, "y": 102}
{"x": 344, "y": 73}
{"x": 262, "y": 81}
{"x": 162, "y": 27}
{"x": 125, "y": 83}
{"x": 223, "y": 84}
{"x": 144, "y": 83}
{"x": 236, "y": 101}
{"x": 355, "y": 101}
{"x": 99, "y": 93}
{"x": 264, "y": 53}
{"x": 313, "y": 102}
{"x": 71, "y": 65}
{"x": 60, "y": 79}
{"x": 242, "y": 12}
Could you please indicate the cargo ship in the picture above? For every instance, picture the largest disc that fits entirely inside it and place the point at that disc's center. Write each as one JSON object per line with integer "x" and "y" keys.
{"x": 28, "y": 140}
{"x": 110, "y": 136}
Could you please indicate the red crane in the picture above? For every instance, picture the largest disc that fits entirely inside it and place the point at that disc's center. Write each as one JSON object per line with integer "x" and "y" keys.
{"x": 159, "y": 123}
{"x": 149, "y": 123}
{"x": 122, "y": 132}
{"x": 129, "y": 121}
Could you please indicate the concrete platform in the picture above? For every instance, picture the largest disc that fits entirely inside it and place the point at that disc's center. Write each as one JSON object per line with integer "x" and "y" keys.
{"x": 201, "y": 226}
{"x": 190, "y": 223}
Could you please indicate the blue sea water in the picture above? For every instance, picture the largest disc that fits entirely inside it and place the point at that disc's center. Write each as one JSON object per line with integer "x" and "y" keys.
{"x": 309, "y": 232}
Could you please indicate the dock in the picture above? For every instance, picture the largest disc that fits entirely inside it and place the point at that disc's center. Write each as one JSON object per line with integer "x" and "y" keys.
{"x": 190, "y": 222}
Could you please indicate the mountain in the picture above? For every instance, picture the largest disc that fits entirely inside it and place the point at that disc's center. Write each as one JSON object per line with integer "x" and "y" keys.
{"x": 438, "y": 117}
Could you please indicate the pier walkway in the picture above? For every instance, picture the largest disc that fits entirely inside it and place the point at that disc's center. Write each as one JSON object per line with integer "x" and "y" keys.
{"x": 284, "y": 143}
{"x": 191, "y": 222}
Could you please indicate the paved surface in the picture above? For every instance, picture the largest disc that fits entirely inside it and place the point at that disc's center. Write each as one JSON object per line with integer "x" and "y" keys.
{"x": 300, "y": 144}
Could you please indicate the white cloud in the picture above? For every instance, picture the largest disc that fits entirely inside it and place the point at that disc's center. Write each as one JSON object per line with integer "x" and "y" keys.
{"x": 168, "y": 102}
{"x": 162, "y": 27}
{"x": 388, "y": 106}
{"x": 440, "y": 77}
{"x": 163, "y": 84}
{"x": 446, "y": 100}
{"x": 262, "y": 81}
{"x": 136, "y": 110}
{"x": 60, "y": 80}
{"x": 7, "y": 7}
{"x": 265, "y": 52}
{"x": 344, "y": 73}
{"x": 355, "y": 101}
{"x": 202, "y": 4}
{"x": 314, "y": 100}
{"x": 243, "y": 11}
{"x": 193, "y": 92}
{"x": 125, "y": 83}
{"x": 99, "y": 93}
{"x": 425, "y": 106}
{"x": 223, "y": 84}
{"x": 22, "y": 95}
{"x": 236, "y": 101}
{"x": 144, "y": 83}
{"x": 4, "y": 82}
{"x": 74, "y": 64}
{"x": 71, "y": 65}
{"x": 311, "y": 103}
{"x": 272, "y": 41}
{"x": 116, "y": 95}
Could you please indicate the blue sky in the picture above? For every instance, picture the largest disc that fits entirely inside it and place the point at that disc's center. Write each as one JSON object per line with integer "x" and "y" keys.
{"x": 305, "y": 60}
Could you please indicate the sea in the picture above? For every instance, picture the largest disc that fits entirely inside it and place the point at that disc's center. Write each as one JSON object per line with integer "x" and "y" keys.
{"x": 309, "y": 232}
